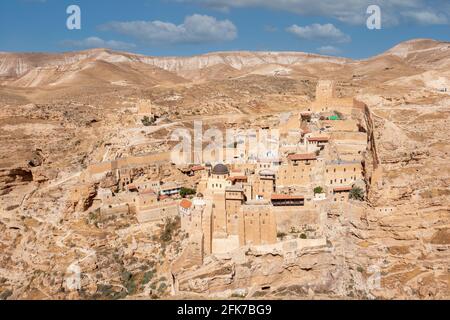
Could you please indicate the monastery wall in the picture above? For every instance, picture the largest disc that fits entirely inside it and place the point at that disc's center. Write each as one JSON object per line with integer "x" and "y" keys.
{"x": 219, "y": 214}
{"x": 257, "y": 225}
{"x": 290, "y": 174}
{"x": 128, "y": 162}
{"x": 288, "y": 217}
{"x": 158, "y": 213}
{"x": 349, "y": 137}
{"x": 341, "y": 125}
{"x": 114, "y": 210}
{"x": 343, "y": 173}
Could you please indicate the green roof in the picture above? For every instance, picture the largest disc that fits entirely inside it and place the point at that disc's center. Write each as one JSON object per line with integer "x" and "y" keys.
{"x": 334, "y": 118}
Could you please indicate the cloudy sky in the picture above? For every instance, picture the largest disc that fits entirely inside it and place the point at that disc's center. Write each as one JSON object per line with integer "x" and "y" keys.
{"x": 187, "y": 27}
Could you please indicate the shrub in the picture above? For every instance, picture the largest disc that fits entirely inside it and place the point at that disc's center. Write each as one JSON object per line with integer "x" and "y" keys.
{"x": 148, "y": 276}
{"x": 169, "y": 229}
{"x": 162, "y": 288}
{"x": 147, "y": 121}
{"x": 281, "y": 235}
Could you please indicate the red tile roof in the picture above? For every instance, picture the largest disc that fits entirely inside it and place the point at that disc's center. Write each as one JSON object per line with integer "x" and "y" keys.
{"x": 319, "y": 139}
{"x": 286, "y": 197}
{"x": 148, "y": 192}
{"x": 342, "y": 189}
{"x": 197, "y": 168}
{"x": 132, "y": 187}
{"x": 297, "y": 157}
{"x": 186, "y": 204}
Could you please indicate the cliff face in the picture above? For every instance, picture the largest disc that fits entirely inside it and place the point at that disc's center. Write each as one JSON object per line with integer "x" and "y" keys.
{"x": 407, "y": 226}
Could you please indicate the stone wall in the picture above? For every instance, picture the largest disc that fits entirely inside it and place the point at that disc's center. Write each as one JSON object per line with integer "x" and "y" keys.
{"x": 288, "y": 217}
{"x": 158, "y": 213}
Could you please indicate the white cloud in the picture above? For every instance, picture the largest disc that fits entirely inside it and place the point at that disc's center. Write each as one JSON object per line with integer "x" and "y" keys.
{"x": 195, "y": 29}
{"x": 329, "y": 50}
{"x": 426, "y": 17}
{"x": 348, "y": 11}
{"x": 320, "y": 32}
{"x": 95, "y": 42}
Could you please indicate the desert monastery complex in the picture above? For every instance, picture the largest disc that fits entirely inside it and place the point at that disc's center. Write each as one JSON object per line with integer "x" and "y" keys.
{"x": 254, "y": 203}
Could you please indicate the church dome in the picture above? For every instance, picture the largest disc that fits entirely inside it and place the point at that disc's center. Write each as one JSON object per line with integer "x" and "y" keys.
{"x": 220, "y": 169}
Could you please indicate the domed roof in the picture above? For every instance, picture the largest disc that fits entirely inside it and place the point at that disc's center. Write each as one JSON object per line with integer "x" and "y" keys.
{"x": 220, "y": 169}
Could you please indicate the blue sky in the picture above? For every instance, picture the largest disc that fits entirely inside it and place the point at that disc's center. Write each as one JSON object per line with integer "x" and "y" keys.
{"x": 188, "y": 27}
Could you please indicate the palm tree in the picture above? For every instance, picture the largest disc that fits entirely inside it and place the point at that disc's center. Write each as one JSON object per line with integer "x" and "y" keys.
{"x": 357, "y": 194}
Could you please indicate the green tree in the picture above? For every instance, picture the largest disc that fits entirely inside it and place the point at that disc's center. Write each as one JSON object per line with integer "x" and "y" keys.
{"x": 357, "y": 194}
{"x": 318, "y": 190}
{"x": 187, "y": 192}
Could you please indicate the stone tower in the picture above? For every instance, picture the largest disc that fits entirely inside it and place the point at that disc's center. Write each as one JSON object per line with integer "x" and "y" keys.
{"x": 325, "y": 91}
{"x": 144, "y": 107}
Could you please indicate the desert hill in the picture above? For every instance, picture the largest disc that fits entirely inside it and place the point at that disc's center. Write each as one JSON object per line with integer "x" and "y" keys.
{"x": 108, "y": 67}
